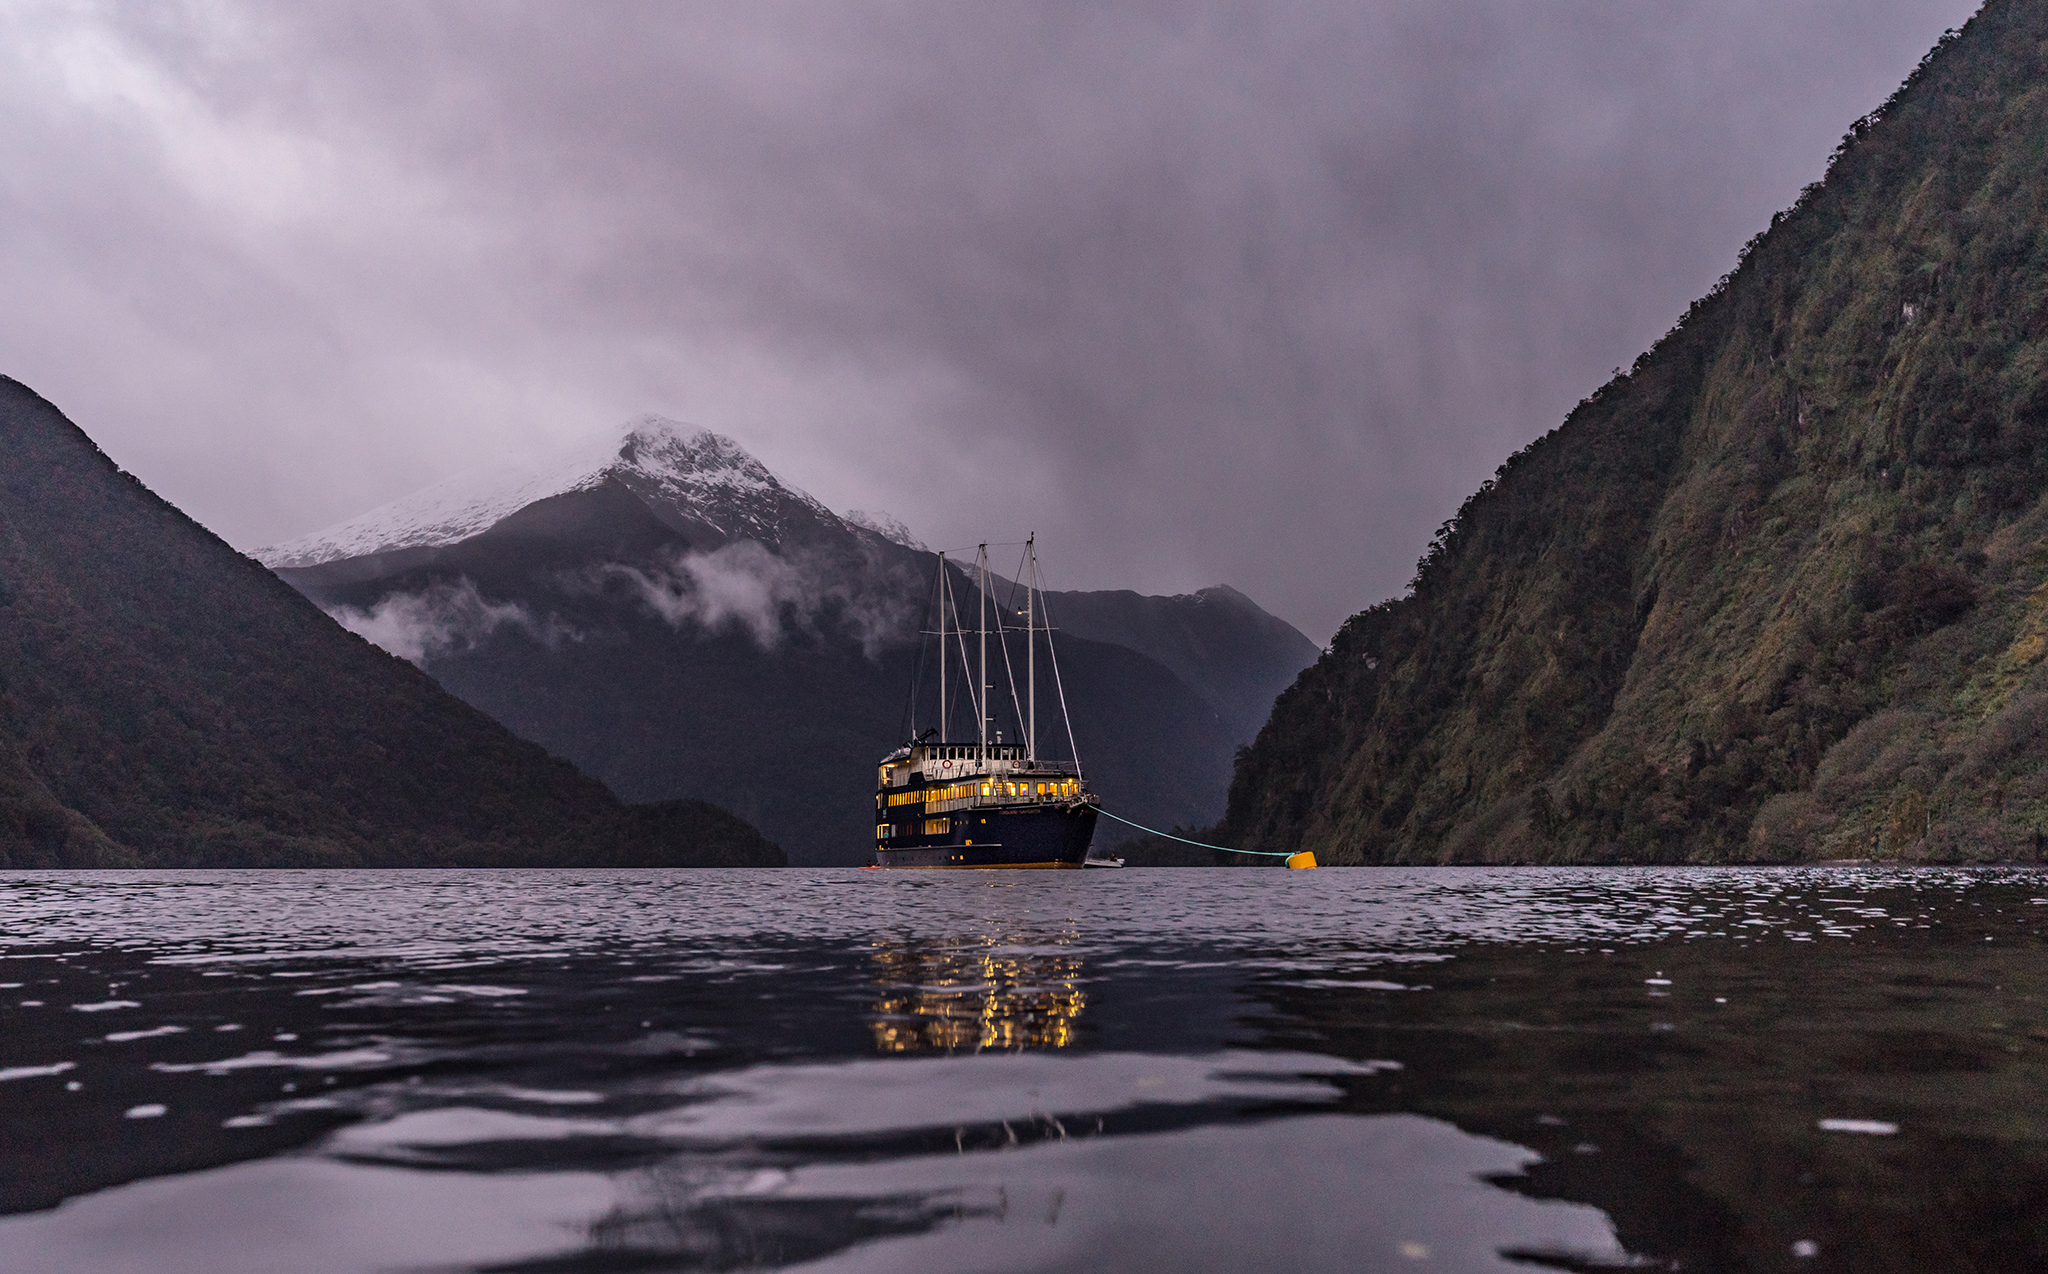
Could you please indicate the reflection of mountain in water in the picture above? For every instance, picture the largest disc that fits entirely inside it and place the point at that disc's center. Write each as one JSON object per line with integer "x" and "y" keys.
{"x": 976, "y": 993}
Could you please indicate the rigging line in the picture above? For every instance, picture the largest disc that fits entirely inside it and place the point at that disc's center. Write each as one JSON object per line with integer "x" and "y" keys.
{"x": 1052, "y": 653}
{"x": 966, "y": 663}
{"x": 908, "y": 722}
{"x": 1263, "y": 853}
{"x": 994, "y": 544}
{"x": 981, "y": 632}
{"x": 945, "y": 609}
{"x": 1009, "y": 670}
{"x": 1015, "y": 584}
{"x": 1029, "y": 562}
{"x": 936, "y": 609}
{"x": 1009, "y": 604}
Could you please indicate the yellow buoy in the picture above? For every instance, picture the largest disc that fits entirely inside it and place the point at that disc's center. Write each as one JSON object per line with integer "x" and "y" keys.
{"x": 1303, "y": 859}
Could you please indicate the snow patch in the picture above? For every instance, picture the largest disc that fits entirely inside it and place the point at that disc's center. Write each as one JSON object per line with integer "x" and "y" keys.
{"x": 888, "y": 527}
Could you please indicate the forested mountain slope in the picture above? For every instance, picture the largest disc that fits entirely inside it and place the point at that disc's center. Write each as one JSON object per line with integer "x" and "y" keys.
{"x": 1778, "y": 592}
{"x": 165, "y": 701}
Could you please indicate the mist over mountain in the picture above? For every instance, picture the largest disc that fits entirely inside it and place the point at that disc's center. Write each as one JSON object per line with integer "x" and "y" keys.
{"x": 1779, "y": 591}
{"x": 166, "y": 701}
{"x": 659, "y": 608}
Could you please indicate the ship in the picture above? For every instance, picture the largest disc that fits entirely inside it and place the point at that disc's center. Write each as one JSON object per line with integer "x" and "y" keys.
{"x": 957, "y": 794}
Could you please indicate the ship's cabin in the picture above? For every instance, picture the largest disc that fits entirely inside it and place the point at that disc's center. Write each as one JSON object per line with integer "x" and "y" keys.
{"x": 937, "y": 762}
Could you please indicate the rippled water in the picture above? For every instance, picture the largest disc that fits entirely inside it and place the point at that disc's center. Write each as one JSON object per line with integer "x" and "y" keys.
{"x": 1443, "y": 1069}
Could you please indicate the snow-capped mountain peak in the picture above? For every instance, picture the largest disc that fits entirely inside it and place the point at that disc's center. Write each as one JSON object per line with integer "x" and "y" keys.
{"x": 888, "y": 527}
{"x": 688, "y": 474}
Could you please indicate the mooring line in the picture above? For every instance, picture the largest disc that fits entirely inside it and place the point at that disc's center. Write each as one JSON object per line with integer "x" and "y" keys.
{"x": 1263, "y": 853}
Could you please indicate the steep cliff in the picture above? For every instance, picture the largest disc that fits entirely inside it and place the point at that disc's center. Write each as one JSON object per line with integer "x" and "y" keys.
{"x": 1781, "y": 590}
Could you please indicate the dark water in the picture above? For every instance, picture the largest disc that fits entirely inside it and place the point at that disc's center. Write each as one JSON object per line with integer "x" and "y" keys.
{"x": 1452, "y": 1069}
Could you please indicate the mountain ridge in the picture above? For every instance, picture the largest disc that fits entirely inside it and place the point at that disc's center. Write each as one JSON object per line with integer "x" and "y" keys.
{"x": 1774, "y": 593}
{"x": 1232, "y": 665}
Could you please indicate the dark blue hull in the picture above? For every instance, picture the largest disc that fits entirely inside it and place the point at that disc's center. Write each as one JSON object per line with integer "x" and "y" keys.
{"x": 1048, "y": 835}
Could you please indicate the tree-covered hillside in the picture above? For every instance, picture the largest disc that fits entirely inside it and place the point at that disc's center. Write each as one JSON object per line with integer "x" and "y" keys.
{"x": 165, "y": 701}
{"x": 1778, "y": 592}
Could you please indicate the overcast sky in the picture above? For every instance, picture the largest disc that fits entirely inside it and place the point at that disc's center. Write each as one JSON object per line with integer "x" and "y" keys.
{"x": 1202, "y": 293}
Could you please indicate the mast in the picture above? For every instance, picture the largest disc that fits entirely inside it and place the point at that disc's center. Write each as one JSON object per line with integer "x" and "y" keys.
{"x": 942, "y": 648}
{"x": 982, "y": 568}
{"x": 1031, "y": 647}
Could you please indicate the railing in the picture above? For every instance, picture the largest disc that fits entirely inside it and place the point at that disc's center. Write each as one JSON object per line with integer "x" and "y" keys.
{"x": 984, "y": 791}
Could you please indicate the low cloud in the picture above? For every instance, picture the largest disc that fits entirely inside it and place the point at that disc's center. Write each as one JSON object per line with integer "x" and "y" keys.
{"x": 768, "y": 596}
{"x": 440, "y": 620}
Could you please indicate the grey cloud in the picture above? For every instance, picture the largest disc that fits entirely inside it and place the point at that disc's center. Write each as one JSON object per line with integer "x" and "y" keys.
{"x": 766, "y": 595}
{"x": 441, "y": 619}
{"x": 1202, "y": 293}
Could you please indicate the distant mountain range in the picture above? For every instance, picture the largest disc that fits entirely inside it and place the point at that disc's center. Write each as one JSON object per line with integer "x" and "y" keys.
{"x": 659, "y": 608}
{"x": 165, "y": 701}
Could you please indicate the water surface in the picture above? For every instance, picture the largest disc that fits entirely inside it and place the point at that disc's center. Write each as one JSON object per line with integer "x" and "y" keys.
{"x": 1430, "y": 1069}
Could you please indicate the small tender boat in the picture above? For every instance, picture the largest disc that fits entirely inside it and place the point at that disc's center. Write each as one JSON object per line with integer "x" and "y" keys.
{"x": 954, "y": 797}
